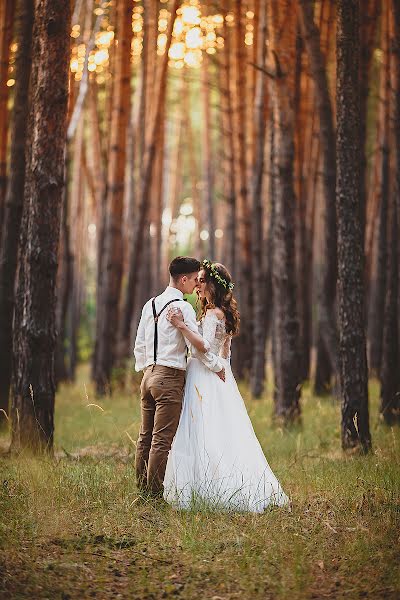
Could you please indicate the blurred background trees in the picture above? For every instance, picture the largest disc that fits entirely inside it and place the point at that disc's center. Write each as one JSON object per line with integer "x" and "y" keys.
{"x": 209, "y": 128}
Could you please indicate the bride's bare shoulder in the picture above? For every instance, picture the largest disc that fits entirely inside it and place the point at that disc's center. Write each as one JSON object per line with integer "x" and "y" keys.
{"x": 217, "y": 312}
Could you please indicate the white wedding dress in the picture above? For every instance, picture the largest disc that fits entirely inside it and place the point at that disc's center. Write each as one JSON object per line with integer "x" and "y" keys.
{"x": 216, "y": 460}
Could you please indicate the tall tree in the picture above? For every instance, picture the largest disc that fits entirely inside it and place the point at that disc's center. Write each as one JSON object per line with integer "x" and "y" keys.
{"x": 7, "y": 8}
{"x": 382, "y": 190}
{"x": 369, "y": 18}
{"x": 286, "y": 324}
{"x": 225, "y": 84}
{"x": 64, "y": 277}
{"x": 207, "y": 162}
{"x": 390, "y": 373}
{"x": 145, "y": 190}
{"x": 395, "y": 86}
{"x": 303, "y": 264}
{"x": 352, "y": 346}
{"x": 15, "y": 193}
{"x": 241, "y": 355}
{"x": 327, "y": 335}
{"x": 109, "y": 301}
{"x": 258, "y": 255}
{"x": 35, "y": 334}
{"x": 75, "y": 209}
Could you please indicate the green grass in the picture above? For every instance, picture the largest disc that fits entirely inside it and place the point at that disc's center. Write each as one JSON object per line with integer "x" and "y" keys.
{"x": 69, "y": 527}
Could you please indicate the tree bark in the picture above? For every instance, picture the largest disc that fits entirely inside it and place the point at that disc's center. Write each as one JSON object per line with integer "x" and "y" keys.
{"x": 258, "y": 255}
{"x": 242, "y": 351}
{"x": 286, "y": 326}
{"x": 390, "y": 373}
{"x": 144, "y": 197}
{"x": 15, "y": 195}
{"x": 75, "y": 202}
{"x": 64, "y": 277}
{"x": 98, "y": 164}
{"x": 380, "y": 248}
{"x": 113, "y": 260}
{"x": 207, "y": 161}
{"x": 395, "y": 99}
{"x": 302, "y": 235}
{"x": 369, "y": 18}
{"x": 228, "y": 145}
{"x": 352, "y": 346}
{"x": 185, "y": 135}
{"x": 157, "y": 209}
{"x": 6, "y": 30}
{"x": 35, "y": 332}
{"x": 326, "y": 325}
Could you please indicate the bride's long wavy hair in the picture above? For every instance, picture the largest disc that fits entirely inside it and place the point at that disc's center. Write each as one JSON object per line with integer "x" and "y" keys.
{"x": 221, "y": 297}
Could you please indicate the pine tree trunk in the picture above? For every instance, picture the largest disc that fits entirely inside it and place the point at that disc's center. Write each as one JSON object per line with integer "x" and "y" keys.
{"x": 352, "y": 347}
{"x": 325, "y": 20}
{"x": 390, "y": 373}
{"x": 258, "y": 258}
{"x": 207, "y": 161}
{"x": 35, "y": 329}
{"x": 303, "y": 103}
{"x": 113, "y": 257}
{"x": 147, "y": 82}
{"x": 100, "y": 179}
{"x": 186, "y": 136}
{"x": 269, "y": 230}
{"x": 159, "y": 275}
{"x": 63, "y": 287}
{"x": 157, "y": 209}
{"x": 15, "y": 195}
{"x": 286, "y": 326}
{"x": 326, "y": 325}
{"x": 395, "y": 98}
{"x": 103, "y": 123}
{"x": 323, "y": 371}
{"x": 369, "y": 18}
{"x": 75, "y": 201}
{"x": 303, "y": 264}
{"x": 378, "y": 283}
{"x": 272, "y": 194}
{"x": 228, "y": 145}
{"x": 242, "y": 350}
{"x": 144, "y": 194}
{"x": 6, "y": 30}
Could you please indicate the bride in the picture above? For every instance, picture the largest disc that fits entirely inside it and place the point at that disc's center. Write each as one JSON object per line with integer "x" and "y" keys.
{"x": 216, "y": 460}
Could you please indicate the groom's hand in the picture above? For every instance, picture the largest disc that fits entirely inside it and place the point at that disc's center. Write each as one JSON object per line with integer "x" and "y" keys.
{"x": 221, "y": 374}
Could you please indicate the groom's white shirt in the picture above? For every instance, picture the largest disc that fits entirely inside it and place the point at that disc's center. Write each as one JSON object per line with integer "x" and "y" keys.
{"x": 171, "y": 351}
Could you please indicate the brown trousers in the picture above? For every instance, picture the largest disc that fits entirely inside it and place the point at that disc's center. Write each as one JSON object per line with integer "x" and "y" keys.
{"x": 161, "y": 394}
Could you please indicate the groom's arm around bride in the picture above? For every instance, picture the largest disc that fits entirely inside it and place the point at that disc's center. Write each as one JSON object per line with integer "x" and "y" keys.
{"x": 160, "y": 351}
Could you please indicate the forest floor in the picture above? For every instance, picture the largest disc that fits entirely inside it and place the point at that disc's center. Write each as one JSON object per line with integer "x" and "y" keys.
{"x": 70, "y": 528}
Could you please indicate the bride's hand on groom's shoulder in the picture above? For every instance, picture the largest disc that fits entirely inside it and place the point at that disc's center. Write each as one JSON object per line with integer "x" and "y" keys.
{"x": 175, "y": 316}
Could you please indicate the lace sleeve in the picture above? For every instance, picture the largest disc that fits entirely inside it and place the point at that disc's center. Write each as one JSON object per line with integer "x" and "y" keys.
{"x": 209, "y": 328}
{"x": 226, "y": 348}
{"x": 210, "y": 360}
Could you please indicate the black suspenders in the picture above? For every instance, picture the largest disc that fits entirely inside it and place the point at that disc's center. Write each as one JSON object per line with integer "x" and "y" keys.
{"x": 156, "y": 317}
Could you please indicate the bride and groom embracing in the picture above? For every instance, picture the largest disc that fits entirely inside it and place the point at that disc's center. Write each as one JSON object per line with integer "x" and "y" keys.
{"x": 197, "y": 447}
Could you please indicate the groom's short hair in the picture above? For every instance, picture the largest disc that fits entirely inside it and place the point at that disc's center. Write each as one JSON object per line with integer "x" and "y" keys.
{"x": 183, "y": 265}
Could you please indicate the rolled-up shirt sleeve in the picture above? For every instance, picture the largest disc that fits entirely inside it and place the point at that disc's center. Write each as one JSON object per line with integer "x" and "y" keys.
{"x": 140, "y": 345}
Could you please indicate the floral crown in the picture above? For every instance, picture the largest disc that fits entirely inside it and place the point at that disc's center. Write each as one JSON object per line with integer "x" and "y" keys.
{"x": 211, "y": 267}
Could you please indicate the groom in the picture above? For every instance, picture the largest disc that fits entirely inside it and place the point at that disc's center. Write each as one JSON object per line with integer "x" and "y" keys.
{"x": 160, "y": 351}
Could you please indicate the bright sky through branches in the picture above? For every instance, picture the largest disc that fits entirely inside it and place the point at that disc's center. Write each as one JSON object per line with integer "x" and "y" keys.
{"x": 194, "y": 33}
